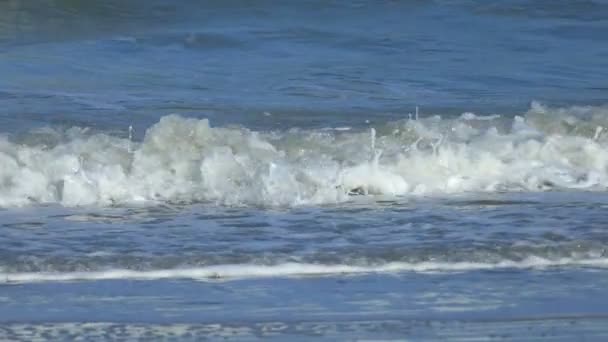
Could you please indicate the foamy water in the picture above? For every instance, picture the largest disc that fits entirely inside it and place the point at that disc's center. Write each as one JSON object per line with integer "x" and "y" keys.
{"x": 187, "y": 160}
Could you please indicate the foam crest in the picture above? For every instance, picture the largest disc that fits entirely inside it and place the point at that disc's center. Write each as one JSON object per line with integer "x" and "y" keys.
{"x": 245, "y": 271}
{"x": 187, "y": 160}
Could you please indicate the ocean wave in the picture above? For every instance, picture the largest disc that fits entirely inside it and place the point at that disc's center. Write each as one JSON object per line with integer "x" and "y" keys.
{"x": 187, "y": 160}
{"x": 246, "y": 271}
{"x": 350, "y": 261}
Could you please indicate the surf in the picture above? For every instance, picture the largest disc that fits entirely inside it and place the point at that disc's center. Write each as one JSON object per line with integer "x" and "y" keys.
{"x": 187, "y": 160}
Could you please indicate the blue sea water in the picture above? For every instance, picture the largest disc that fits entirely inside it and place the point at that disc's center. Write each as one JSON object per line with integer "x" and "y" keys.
{"x": 296, "y": 170}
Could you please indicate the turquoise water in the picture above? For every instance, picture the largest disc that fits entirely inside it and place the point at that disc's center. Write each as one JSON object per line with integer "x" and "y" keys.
{"x": 339, "y": 170}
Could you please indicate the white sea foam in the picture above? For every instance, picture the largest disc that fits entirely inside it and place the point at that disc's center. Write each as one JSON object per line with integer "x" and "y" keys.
{"x": 187, "y": 160}
{"x": 246, "y": 271}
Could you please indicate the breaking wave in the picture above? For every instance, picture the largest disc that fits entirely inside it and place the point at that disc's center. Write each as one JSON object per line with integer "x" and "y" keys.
{"x": 187, "y": 160}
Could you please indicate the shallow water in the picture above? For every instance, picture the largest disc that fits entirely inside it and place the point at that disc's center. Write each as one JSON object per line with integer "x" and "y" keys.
{"x": 431, "y": 170}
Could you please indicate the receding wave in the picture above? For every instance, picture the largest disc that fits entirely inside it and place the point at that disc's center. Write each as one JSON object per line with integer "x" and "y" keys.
{"x": 232, "y": 272}
{"x": 187, "y": 160}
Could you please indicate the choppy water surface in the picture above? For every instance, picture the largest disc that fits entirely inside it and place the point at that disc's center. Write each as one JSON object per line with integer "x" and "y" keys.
{"x": 431, "y": 170}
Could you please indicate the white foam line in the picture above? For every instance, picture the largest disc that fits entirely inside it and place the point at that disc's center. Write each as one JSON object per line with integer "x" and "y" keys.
{"x": 244, "y": 271}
